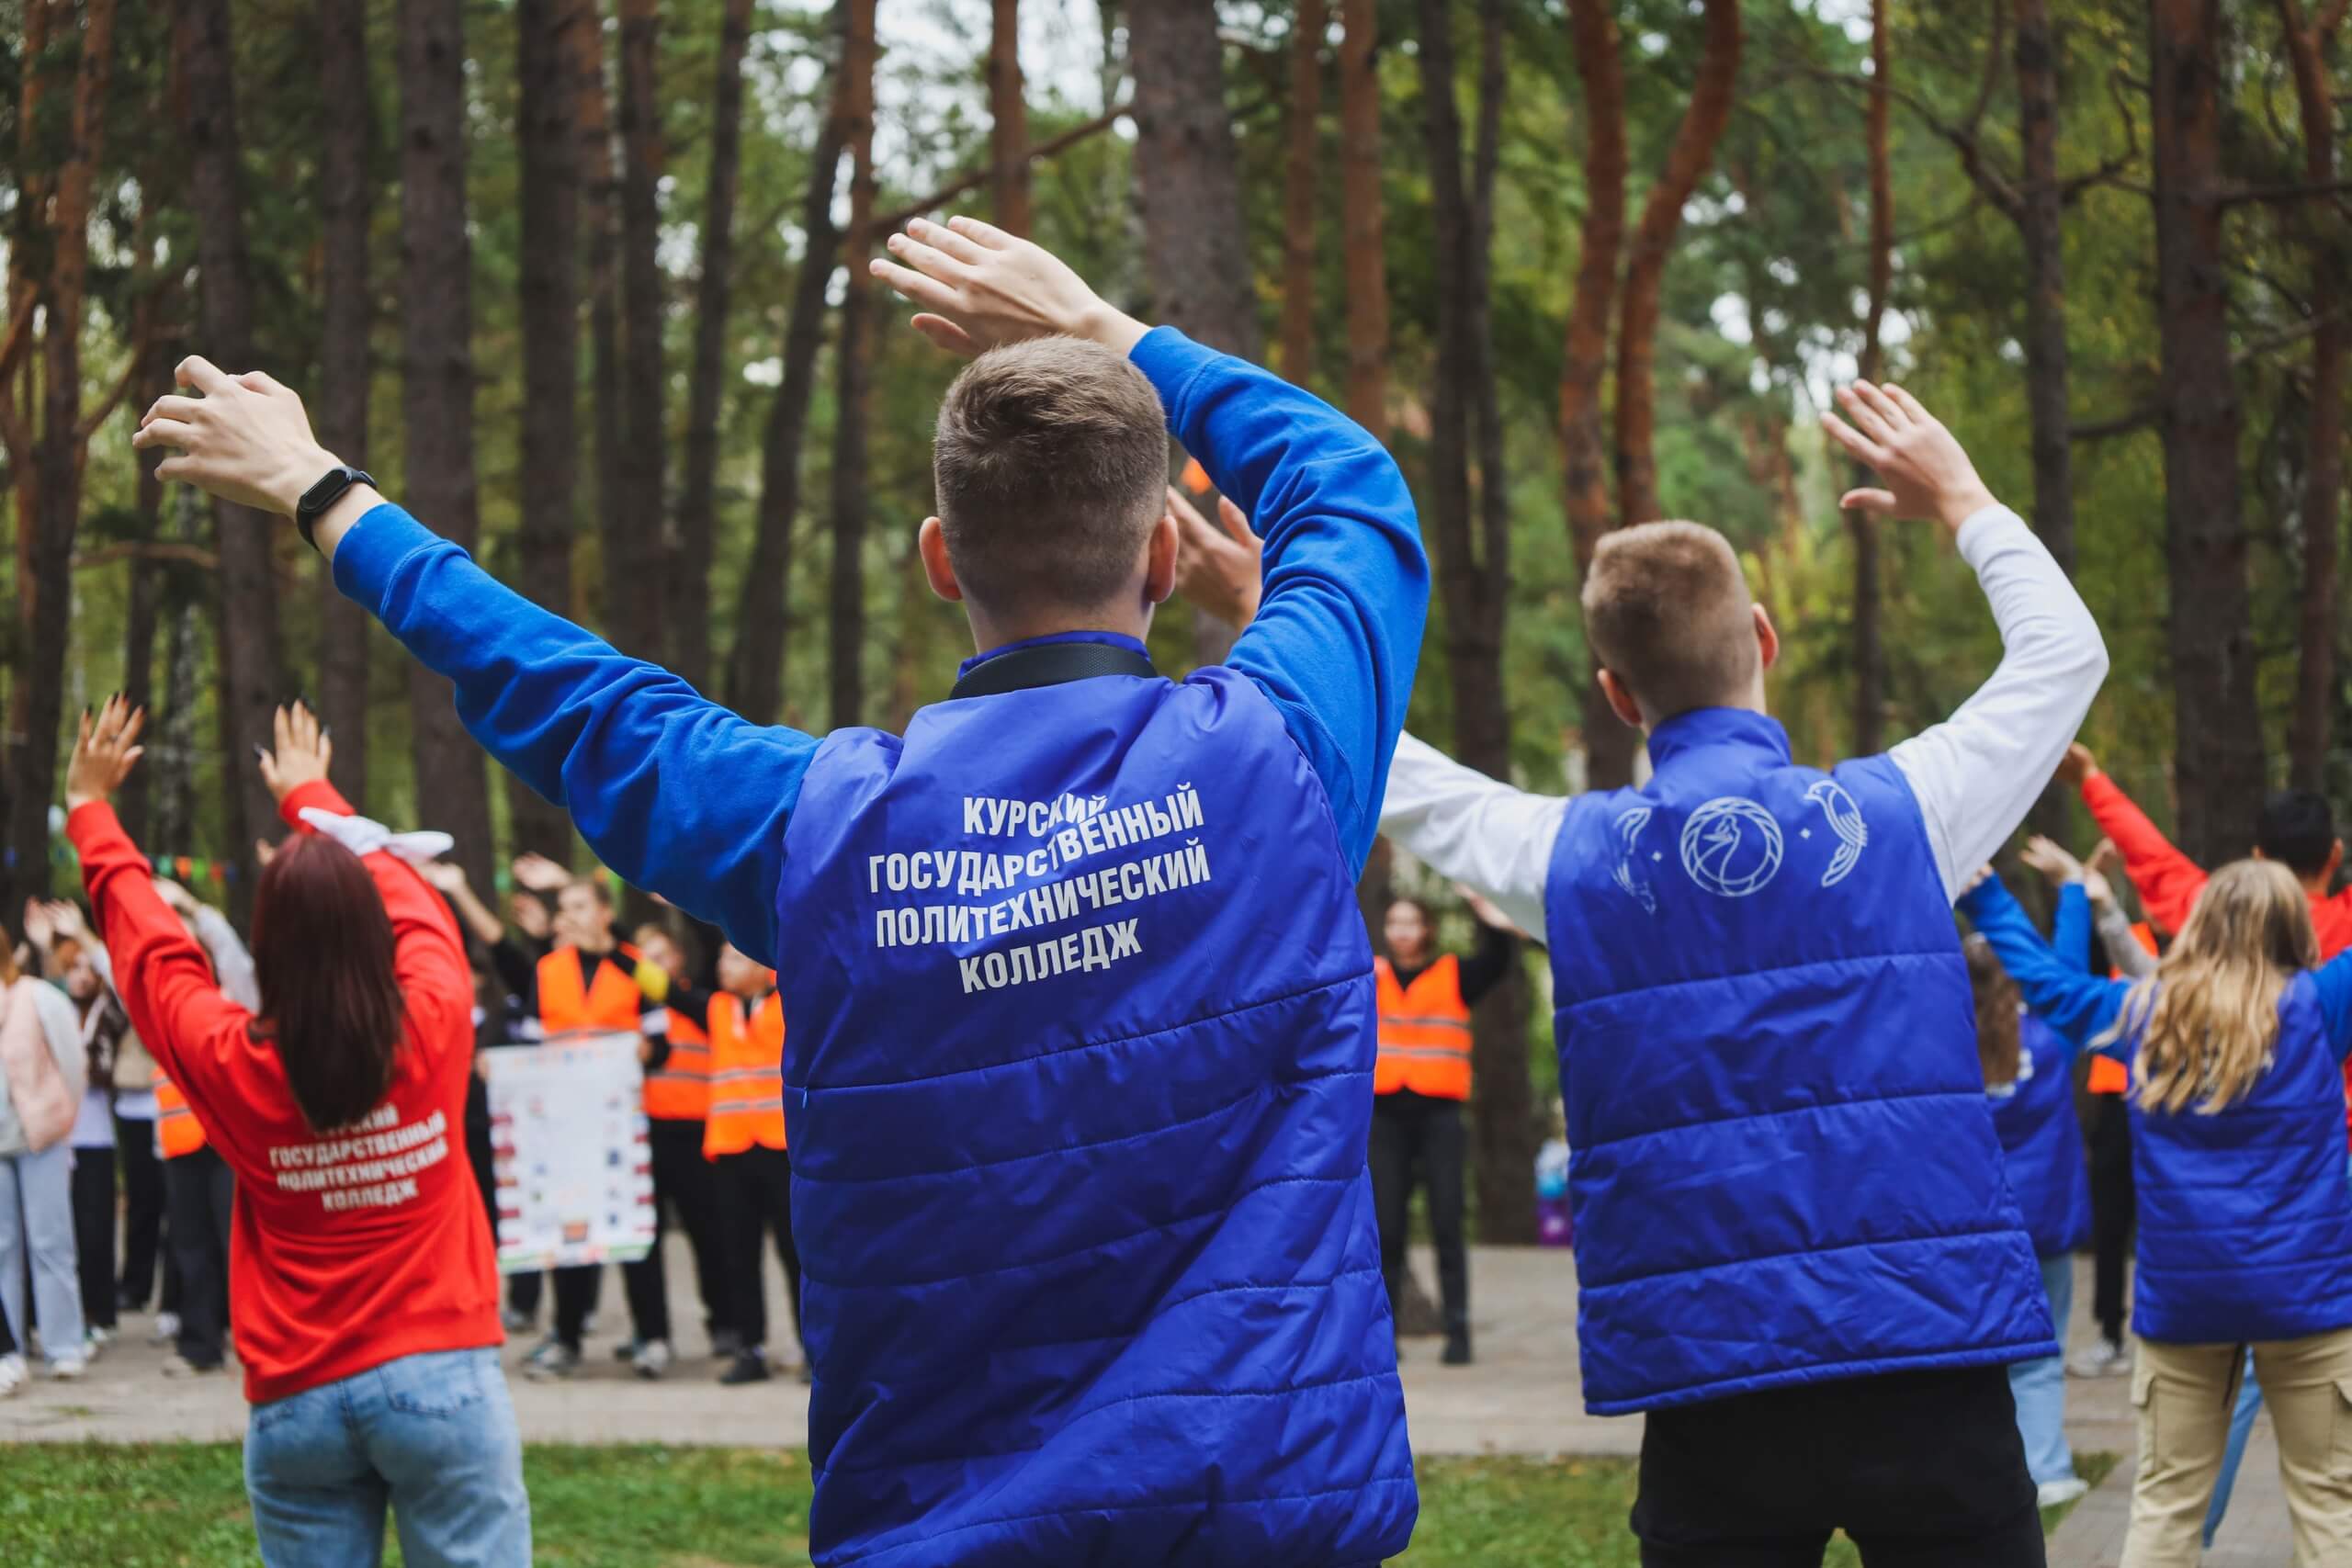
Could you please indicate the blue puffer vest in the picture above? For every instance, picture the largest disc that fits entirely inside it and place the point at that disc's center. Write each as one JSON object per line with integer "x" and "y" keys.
{"x": 1784, "y": 1171}
{"x": 2042, "y": 1141}
{"x": 2245, "y": 1217}
{"x": 1078, "y": 1086}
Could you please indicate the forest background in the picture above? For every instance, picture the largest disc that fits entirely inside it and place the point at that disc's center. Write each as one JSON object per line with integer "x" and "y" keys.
{"x": 581, "y": 281}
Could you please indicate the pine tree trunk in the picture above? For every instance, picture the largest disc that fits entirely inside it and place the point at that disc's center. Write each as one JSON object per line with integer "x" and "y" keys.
{"x": 1303, "y": 135}
{"x": 143, "y": 613}
{"x": 246, "y": 611}
{"x": 1009, "y": 121}
{"x": 1362, "y": 227}
{"x": 854, "y": 386}
{"x": 346, "y": 200}
{"x": 616, "y": 529}
{"x": 2041, "y": 204}
{"x": 698, "y": 500}
{"x": 2218, "y": 761}
{"x": 1609, "y": 744}
{"x": 547, "y": 127}
{"x": 637, "y": 615}
{"x": 755, "y": 672}
{"x": 1869, "y": 648}
{"x": 438, "y": 388}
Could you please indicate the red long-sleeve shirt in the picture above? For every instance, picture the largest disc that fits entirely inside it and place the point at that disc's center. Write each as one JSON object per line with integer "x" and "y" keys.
{"x": 2169, "y": 881}
{"x": 346, "y": 1250}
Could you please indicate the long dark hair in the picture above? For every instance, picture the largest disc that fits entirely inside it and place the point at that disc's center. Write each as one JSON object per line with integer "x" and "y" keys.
{"x": 329, "y": 1000}
{"x": 1998, "y": 1046}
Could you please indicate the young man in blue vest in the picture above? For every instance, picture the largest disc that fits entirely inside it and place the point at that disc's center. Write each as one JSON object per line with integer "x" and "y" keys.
{"x": 1079, "y": 1006}
{"x": 1795, "y": 1246}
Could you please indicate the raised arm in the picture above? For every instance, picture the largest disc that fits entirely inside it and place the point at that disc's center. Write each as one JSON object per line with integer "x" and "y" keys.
{"x": 1976, "y": 774}
{"x": 1493, "y": 838}
{"x": 2168, "y": 879}
{"x": 2334, "y": 981}
{"x": 2076, "y": 1005}
{"x": 674, "y": 792}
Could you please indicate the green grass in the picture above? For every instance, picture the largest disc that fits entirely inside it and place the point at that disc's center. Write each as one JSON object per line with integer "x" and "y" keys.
{"x": 175, "y": 1504}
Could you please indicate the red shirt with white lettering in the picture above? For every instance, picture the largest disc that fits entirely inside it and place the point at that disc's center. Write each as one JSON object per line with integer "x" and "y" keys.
{"x": 347, "y": 1250}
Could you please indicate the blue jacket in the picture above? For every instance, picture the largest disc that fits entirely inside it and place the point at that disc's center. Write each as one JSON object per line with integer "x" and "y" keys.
{"x": 1078, "y": 1098}
{"x": 2042, "y": 1138}
{"x": 1784, "y": 1171}
{"x": 2245, "y": 1217}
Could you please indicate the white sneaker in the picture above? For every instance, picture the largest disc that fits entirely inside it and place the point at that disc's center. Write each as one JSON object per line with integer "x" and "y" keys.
{"x": 651, "y": 1360}
{"x": 12, "y": 1374}
{"x": 2059, "y": 1493}
{"x": 69, "y": 1368}
{"x": 96, "y": 1341}
{"x": 166, "y": 1329}
{"x": 2105, "y": 1359}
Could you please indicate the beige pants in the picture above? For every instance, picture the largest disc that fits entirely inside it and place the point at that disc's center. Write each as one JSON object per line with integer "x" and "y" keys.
{"x": 2184, "y": 1394}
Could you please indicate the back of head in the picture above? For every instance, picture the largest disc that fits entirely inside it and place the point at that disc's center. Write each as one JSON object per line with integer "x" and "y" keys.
{"x": 1050, "y": 460}
{"x": 1999, "y": 1045}
{"x": 2298, "y": 831}
{"x": 2208, "y": 1019}
{"x": 1668, "y": 612}
{"x": 330, "y": 1000}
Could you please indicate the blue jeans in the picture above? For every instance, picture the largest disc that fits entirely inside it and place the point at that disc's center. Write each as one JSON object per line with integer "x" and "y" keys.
{"x": 2040, "y": 1386}
{"x": 2249, "y": 1406}
{"x": 431, "y": 1434}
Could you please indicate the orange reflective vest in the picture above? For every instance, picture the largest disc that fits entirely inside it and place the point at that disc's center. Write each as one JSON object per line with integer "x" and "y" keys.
{"x": 679, "y": 1090}
{"x": 1424, "y": 1033}
{"x": 612, "y": 1005}
{"x": 746, "y": 1076}
{"x": 178, "y": 1130}
{"x": 2105, "y": 1074}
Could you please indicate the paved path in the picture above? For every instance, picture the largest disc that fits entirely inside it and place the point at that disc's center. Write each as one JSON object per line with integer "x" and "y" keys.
{"x": 1523, "y": 1397}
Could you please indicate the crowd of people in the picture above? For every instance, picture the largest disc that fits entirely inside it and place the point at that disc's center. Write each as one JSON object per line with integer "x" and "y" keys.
{"x": 1087, "y": 1147}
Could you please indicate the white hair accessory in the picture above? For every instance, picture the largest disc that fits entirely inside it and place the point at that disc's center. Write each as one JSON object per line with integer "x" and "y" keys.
{"x": 365, "y": 836}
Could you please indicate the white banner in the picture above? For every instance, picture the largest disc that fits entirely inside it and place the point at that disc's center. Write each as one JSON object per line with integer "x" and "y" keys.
{"x": 567, "y": 1133}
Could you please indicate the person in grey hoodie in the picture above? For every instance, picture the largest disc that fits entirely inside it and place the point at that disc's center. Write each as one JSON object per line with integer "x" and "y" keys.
{"x": 36, "y": 1186}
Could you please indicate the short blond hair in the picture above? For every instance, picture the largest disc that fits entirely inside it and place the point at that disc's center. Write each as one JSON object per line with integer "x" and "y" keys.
{"x": 1668, "y": 612}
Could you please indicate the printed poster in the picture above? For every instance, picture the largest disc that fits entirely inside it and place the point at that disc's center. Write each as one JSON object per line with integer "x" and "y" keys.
{"x": 568, "y": 1144}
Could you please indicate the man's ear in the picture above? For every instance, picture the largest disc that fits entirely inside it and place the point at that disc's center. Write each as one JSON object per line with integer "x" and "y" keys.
{"x": 931, "y": 542}
{"x": 1620, "y": 701}
{"x": 1160, "y": 561}
{"x": 1768, "y": 640}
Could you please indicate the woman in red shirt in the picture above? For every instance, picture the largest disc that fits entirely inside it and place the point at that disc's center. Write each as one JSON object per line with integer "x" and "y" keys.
{"x": 360, "y": 1264}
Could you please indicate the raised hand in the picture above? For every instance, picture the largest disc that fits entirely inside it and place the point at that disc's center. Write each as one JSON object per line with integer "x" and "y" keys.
{"x": 2078, "y": 766}
{"x": 1221, "y": 567}
{"x": 246, "y": 439}
{"x": 303, "y": 752}
{"x": 1984, "y": 874}
{"x": 38, "y": 930}
{"x": 1924, "y": 470}
{"x": 540, "y": 874}
{"x": 2048, "y": 857}
{"x": 2104, "y": 858}
{"x": 105, "y": 750}
{"x": 64, "y": 919}
{"x": 443, "y": 876}
{"x": 980, "y": 287}
{"x": 1487, "y": 913}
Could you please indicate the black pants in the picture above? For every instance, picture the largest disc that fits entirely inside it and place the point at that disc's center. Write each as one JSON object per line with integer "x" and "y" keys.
{"x": 94, "y": 1232}
{"x": 1923, "y": 1470}
{"x": 198, "y": 1192}
{"x": 684, "y": 1182}
{"x": 2110, "y": 1145}
{"x": 755, "y": 1200}
{"x": 577, "y": 1292}
{"x": 1410, "y": 1129}
{"x": 142, "y": 1216}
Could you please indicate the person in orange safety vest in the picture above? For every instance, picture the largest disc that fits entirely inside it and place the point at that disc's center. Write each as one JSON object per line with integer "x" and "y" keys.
{"x": 744, "y": 1141}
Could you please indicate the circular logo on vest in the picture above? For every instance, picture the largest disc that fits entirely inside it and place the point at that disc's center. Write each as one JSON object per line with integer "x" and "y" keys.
{"x": 1731, "y": 847}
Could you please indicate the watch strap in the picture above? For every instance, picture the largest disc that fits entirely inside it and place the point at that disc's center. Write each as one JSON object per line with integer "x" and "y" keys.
{"x": 322, "y": 494}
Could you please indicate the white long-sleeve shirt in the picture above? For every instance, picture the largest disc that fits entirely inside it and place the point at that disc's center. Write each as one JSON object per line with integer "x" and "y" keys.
{"x": 1974, "y": 776}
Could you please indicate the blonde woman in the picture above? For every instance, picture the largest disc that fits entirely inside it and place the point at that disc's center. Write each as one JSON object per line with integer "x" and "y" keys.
{"x": 2235, "y": 1046}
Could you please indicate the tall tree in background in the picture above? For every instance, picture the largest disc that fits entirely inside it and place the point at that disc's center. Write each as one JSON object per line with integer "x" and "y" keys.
{"x": 2217, "y": 723}
{"x": 144, "y": 606}
{"x": 1008, "y": 122}
{"x": 1861, "y": 528}
{"x": 1473, "y": 547}
{"x": 1609, "y": 744}
{"x": 2307, "y": 38}
{"x": 756, "y": 669}
{"x": 251, "y": 675}
{"x": 1362, "y": 229}
{"x": 1303, "y": 138}
{"x": 547, "y": 127}
{"x": 698, "y": 499}
{"x": 854, "y": 365}
{"x": 1196, "y": 251}
{"x": 437, "y": 385}
{"x": 636, "y": 613}
{"x": 47, "y": 441}
{"x": 619, "y": 535}
{"x": 2038, "y": 203}
{"x": 1686, "y": 162}
{"x": 347, "y": 207}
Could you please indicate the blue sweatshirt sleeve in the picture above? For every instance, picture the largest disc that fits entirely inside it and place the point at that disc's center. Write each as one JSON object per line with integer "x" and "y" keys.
{"x": 2070, "y": 927}
{"x": 673, "y": 792}
{"x": 2334, "y": 981}
{"x": 2076, "y": 1005}
{"x": 1339, "y": 628}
